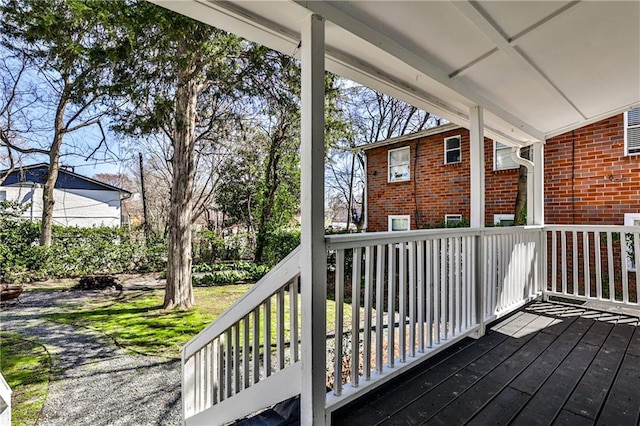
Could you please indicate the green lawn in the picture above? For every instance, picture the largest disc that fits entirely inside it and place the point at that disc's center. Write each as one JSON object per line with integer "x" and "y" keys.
{"x": 136, "y": 320}
{"x": 26, "y": 366}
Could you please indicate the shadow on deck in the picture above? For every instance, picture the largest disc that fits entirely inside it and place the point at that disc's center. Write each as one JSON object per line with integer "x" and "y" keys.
{"x": 546, "y": 364}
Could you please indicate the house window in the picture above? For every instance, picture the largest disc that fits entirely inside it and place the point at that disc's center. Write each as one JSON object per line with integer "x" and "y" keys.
{"x": 632, "y": 132}
{"x": 631, "y": 219}
{"x": 399, "y": 164}
{"x": 452, "y": 219}
{"x": 452, "y": 150}
{"x": 3, "y": 196}
{"x": 503, "y": 219}
{"x": 502, "y": 157}
{"x": 399, "y": 223}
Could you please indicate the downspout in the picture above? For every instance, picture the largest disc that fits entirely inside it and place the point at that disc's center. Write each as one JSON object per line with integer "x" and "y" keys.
{"x": 365, "y": 202}
{"x": 415, "y": 185}
{"x": 515, "y": 155}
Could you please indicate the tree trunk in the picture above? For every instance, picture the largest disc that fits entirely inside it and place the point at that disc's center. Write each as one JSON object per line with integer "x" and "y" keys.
{"x": 48, "y": 201}
{"x": 179, "y": 291}
{"x": 271, "y": 186}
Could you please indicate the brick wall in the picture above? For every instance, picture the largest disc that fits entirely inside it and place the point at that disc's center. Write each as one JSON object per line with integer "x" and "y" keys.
{"x": 439, "y": 188}
{"x": 588, "y": 180}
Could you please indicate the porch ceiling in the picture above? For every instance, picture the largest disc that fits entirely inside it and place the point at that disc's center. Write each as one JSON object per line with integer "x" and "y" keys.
{"x": 539, "y": 68}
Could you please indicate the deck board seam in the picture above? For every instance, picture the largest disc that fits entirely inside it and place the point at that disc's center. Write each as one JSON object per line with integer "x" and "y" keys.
{"x": 507, "y": 384}
{"x": 529, "y": 338}
{"x": 517, "y": 413}
{"x": 615, "y": 376}
{"x": 581, "y": 376}
{"x": 505, "y": 337}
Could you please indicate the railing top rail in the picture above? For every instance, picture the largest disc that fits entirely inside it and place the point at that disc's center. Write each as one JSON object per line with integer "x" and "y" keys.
{"x": 345, "y": 241}
{"x": 593, "y": 228}
{"x": 279, "y": 276}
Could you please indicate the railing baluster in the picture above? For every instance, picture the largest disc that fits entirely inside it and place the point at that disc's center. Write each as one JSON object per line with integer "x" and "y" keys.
{"x": 429, "y": 290}
{"x": 368, "y": 278}
{"x": 246, "y": 364}
{"x": 554, "y": 261}
{"x": 612, "y": 283}
{"x": 197, "y": 384}
{"x": 356, "y": 282}
{"x": 215, "y": 372}
{"x": 458, "y": 294}
{"x": 420, "y": 283}
{"x": 623, "y": 265}
{"x": 221, "y": 364}
{"x": 256, "y": 345}
{"x": 380, "y": 265}
{"x": 229, "y": 363}
{"x": 339, "y": 307}
{"x": 450, "y": 282}
{"x": 402, "y": 296}
{"x": 236, "y": 358}
{"x": 293, "y": 313}
{"x": 412, "y": 297}
{"x": 436, "y": 291}
{"x": 443, "y": 288}
{"x": 465, "y": 279}
{"x": 474, "y": 314}
{"x": 563, "y": 241}
{"x": 267, "y": 338}
{"x": 585, "y": 264}
{"x": 598, "y": 259}
{"x": 280, "y": 328}
{"x": 391, "y": 302}
{"x": 575, "y": 262}
{"x": 501, "y": 288}
{"x": 636, "y": 252}
{"x": 207, "y": 376}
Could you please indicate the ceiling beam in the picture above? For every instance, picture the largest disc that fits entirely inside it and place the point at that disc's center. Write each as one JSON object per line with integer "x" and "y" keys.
{"x": 483, "y": 22}
{"x": 418, "y": 61}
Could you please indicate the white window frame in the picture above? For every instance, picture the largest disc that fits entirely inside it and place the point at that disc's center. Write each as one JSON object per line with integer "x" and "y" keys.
{"x": 626, "y": 133}
{"x": 495, "y": 156}
{"x": 629, "y": 218}
{"x": 449, "y": 150}
{"x": 406, "y": 217}
{"x": 498, "y": 218}
{"x": 449, "y": 217}
{"x": 408, "y": 164}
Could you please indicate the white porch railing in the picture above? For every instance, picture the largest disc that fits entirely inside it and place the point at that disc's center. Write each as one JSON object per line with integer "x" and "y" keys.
{"x": 252, "y": 349}
{"x": 399, "y": 298}
{"x": 593, "y": 263}
{"x": 412, "y": 294}
{"x": 513, "y": 270}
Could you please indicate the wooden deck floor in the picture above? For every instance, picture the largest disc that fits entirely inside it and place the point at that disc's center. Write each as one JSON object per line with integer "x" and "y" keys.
{"x": 547, "y": 364}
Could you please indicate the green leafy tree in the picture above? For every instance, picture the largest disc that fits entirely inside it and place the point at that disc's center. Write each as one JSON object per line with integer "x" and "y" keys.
{"x": 183, "y": 78}
{"x": 67, "y": 45}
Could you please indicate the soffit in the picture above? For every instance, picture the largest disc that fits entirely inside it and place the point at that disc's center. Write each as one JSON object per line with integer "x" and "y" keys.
{"x": 539, "y": 68}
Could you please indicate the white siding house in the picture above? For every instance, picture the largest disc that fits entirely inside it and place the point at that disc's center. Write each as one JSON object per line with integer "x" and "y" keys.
{"x": 79, "y": 200}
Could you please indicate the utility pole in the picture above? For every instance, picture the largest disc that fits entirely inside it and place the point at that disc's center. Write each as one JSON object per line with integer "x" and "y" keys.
{"x": 144, "y": 201}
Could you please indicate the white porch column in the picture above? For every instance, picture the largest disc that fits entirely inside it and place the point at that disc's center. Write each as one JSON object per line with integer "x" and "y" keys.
{"x": 313, "y": 267}
{"x": 538, "y": 183}
{"x": 476, "y": 134}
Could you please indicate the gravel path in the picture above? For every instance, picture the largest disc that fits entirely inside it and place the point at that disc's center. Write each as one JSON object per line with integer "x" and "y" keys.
{"x": 99, "y": 383}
